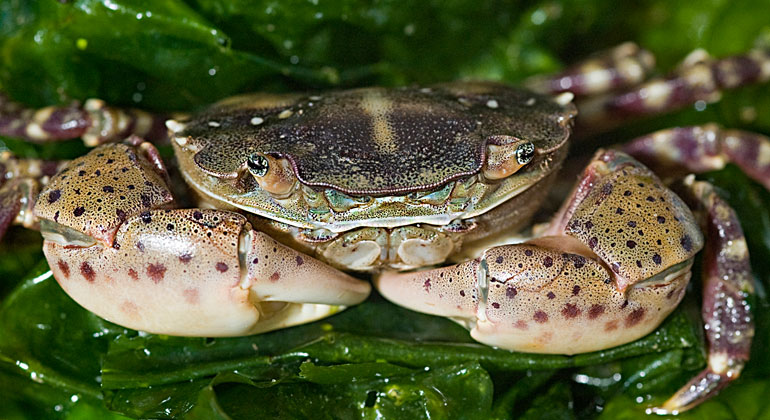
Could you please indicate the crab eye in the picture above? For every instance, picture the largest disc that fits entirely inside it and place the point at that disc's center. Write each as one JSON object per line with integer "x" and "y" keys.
{"x": 525, "y": 152}
{"x": 258, "y": 164}
{"x": 506, "y": 155}
{"x": 273, "y": 174}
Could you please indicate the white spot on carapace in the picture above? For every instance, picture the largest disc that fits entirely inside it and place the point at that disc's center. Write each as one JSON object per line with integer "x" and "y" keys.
{"x": 213, "y": 124}
{"x": 564, "y": 98}
{"x": 256, "y": 121}
{"x": 286, "y": 113}
{"x": 315, "y": 98}
{"x": 492, "y": 104}
{"x": 530, "y": 102}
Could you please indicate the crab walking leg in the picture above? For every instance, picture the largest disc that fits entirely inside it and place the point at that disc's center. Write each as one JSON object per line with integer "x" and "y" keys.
{"x": 701, "y": 79}
{"x": 623, "y": 66}
{"x": 727, "y": 285}
{"x": 703, "y": 148}
{"x": 94, "y": 122}
{"x": 20, "y": 182}
{"x": 615, "y": 263}
{"x": 118, "y": 250}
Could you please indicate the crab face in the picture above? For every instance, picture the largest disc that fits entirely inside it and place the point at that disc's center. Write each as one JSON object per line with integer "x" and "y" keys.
{"x": 369, "y": 166}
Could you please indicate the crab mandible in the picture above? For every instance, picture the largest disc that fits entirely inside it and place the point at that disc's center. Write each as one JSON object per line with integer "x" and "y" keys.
{"x": 441, "y": 168}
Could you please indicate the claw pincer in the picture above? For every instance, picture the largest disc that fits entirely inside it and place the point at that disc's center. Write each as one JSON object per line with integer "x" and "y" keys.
{"x": 612, "y": 265}
{"x": 118, "y": 247}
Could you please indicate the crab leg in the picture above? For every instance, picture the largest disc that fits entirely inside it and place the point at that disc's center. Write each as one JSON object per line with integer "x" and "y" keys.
{"x": 20, "y": 181}
{"x": 700, "y": 78}
{"x": 703, "y": 148}
{"x": 727, "y": 284}
{"x": 94, "y": 122}
{"x": 117, "y": 247}
{"x": 613, "y": 264}
{"x": 623, "y": 66}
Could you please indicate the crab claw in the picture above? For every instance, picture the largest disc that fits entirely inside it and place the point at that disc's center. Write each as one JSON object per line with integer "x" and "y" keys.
{"x": 615, "y": 262}
{"x": 118, "y": 252}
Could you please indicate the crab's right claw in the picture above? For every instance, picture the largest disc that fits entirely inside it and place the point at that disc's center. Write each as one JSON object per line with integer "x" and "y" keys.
{"x": 727, "y": 285}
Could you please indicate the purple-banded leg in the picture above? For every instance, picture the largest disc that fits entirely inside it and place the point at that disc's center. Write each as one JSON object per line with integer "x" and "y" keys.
{"x": 727, "y": 285}
{"x": 623, "y": 66}
{"x": 613, "y": 264}
{"x": 94, "y": 122}
{"x": 117, "y": 246}
{"x": 699, "y": 78}
{"x": 703, "y": 148}
{"x": 20, "y": 182}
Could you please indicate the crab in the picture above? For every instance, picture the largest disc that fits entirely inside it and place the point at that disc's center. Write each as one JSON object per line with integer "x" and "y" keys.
{"x": 296, "y": 190}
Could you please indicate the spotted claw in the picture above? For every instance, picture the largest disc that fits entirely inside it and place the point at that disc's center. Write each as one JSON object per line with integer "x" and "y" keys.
{"x": 117, "y": 247}
{"x": 613, "y": 264}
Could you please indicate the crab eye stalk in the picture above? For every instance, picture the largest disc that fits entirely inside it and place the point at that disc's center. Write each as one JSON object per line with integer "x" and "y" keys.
{"x": 274, "y": 175}
{"x": 506, "y": 155}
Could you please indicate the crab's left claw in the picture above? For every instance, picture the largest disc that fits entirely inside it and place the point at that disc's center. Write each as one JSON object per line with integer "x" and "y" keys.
{"x": 615, "y": 263}
{"x": 727, "y": 284}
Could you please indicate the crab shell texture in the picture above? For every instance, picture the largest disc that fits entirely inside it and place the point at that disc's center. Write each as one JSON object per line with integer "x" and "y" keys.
{"x": 378, "y": 177}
